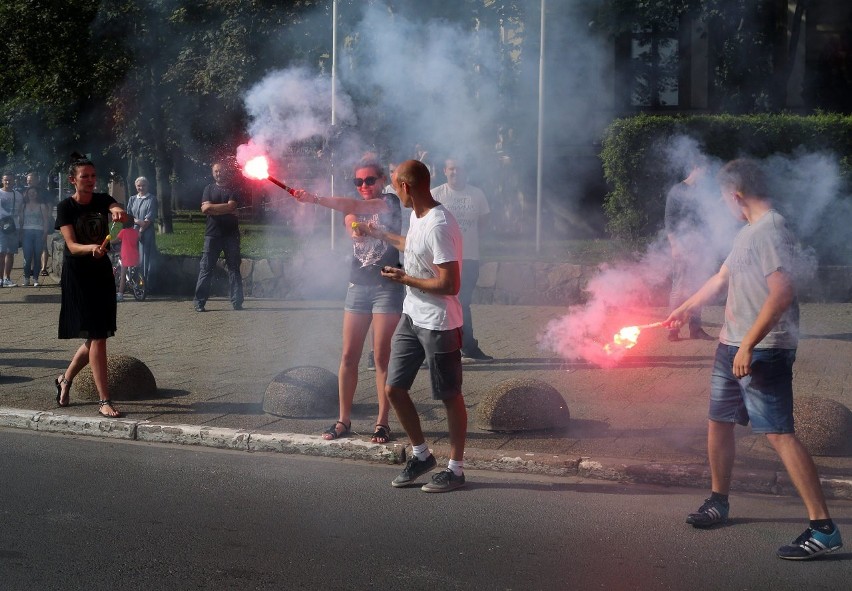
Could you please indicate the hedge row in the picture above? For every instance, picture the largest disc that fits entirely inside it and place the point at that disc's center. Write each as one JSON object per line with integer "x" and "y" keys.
{"x": 639, "y": 175}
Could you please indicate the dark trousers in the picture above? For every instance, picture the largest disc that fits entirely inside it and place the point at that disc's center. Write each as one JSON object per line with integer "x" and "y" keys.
{"x": 213, "y": 245}
{"x": 470, "y": 275}
{"x": 684, "y": 284}
{"x": 147, "y": 242}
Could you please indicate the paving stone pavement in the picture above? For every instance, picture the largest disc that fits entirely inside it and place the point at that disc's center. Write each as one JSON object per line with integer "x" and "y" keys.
{"x": 644, "y": 420}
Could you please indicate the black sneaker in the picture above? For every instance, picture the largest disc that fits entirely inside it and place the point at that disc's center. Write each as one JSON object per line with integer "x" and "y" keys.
{"x": 371, "y": 362}
{"x": 709, "y": 514}
{"x": 476, "y": 357}
{"x": 238, "y": 307}
{"x": 199, "y": 308}
{"x": 698, "y": 334}
{"x": 443, "y": 481}
{"x": 811, "y": 544}
{"x": 413, "y": 470}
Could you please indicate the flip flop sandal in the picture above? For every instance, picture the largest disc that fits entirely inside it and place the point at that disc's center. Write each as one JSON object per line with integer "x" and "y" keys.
{"x": 108, "y": 402}
{"x": 334, "y": 433}
{"x": 59, "y": 383}
{"x": 382, "y": 432}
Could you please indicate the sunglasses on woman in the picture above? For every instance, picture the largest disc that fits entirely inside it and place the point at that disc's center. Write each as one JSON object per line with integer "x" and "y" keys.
{"x": 369, "y": 181}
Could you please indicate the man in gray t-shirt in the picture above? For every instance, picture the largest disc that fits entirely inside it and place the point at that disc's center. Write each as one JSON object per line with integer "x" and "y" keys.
{"x": 752, "y": 378}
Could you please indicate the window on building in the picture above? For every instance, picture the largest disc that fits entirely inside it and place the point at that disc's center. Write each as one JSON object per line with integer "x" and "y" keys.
{"x": 650, "y": 59}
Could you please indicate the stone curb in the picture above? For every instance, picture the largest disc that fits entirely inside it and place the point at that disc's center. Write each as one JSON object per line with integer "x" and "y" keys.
{"x": 682, "y": 475}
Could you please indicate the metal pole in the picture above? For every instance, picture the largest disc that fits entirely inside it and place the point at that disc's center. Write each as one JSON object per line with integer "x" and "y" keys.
{"x": 333, "y": 104}
{"x": 539, "y": 165}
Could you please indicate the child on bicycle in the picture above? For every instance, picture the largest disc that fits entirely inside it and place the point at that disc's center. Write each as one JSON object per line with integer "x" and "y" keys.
{"x": 129, "y": 239}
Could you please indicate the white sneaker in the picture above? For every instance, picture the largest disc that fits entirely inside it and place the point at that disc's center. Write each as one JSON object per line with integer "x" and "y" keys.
{"x": 35, "y": 283}
{"x": 26, "y": 281}
{"x": 9, "y": 283}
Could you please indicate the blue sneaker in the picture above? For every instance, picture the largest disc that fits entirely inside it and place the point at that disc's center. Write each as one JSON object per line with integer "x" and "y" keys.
{"x": 709, "y": 514}
{"x": 811, "y": 544}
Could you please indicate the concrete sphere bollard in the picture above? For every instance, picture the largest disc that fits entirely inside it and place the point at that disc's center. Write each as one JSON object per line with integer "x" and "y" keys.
{"x": 823, "y": 426}
{"x": 302, "y": 392}
{"x": 521, "y": 404}
{"x": 127, "y": 379}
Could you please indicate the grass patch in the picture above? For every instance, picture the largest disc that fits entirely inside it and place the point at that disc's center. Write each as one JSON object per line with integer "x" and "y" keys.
{"x": 258, "y": 241}
{"x": 274, "y": 241}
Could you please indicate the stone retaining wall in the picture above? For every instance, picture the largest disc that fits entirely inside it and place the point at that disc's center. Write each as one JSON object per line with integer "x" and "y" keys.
{"x": 317, "y": 276}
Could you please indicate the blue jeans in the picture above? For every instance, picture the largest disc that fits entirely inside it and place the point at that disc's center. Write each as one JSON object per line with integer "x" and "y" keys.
{"x": 469, "y": 277}
{"x": 764, "y": 397}
{"x": 213, "y": 245}
{"x": 33, "y": 242}
{"x": 384, "y": 298}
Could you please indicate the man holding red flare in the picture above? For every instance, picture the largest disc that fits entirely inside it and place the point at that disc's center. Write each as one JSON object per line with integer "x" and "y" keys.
{"x": 752, "y": 378}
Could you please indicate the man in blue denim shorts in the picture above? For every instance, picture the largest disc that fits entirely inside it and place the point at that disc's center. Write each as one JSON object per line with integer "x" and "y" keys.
{"x": 752, "y": 376}
{"x": 430, "y": 326}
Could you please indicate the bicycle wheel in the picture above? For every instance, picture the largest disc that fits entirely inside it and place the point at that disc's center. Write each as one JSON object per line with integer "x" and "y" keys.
{"x": 138, "y": 283}
{"x": 116, "y": 271}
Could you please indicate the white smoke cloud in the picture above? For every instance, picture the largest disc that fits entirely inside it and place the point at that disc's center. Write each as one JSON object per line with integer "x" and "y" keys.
{"x": 805, "y": 186}
{"x": 290, "y": 106}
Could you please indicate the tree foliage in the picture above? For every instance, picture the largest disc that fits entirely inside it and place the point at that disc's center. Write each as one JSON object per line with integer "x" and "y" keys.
{"x": 743, "y": 39}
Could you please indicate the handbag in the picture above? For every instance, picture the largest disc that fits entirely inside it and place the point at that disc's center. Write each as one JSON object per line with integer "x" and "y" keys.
{"x": 7, "y": 222}
{"x": 7, "y": 225}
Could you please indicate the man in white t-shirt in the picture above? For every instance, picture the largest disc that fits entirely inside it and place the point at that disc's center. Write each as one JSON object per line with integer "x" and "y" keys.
{"x": 430, "y": 326}
{"x": 470, "y": 208}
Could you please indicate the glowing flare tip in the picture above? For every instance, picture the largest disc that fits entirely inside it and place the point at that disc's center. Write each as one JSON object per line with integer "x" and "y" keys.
{"x": 257, "y": 168}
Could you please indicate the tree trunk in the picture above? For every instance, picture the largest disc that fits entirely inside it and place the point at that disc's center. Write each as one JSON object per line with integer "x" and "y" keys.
{"x": 163, "y": 170}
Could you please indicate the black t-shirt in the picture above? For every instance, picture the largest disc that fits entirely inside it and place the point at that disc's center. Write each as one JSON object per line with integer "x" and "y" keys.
{"x": 90, "y": 221}
{"x": 225, "y": 224}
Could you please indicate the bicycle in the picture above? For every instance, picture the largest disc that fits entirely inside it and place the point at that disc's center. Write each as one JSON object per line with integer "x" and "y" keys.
{"x": 133, "y": 278}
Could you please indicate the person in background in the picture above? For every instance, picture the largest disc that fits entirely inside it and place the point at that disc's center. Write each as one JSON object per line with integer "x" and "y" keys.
{"x": 129, "y": 241}
{"x": 10, "y": 233}
{"x": 88, "y": 308}
{"x": 687, "y": 231}
{"x": 370, "y": 300}
{"x": 218, "y": 203}
{"x": 470, "y": 208}
{"x": 752, "y": 379}
{"x": 430, "y": 326}
{"x": 34, "y": 181}
{"x": 143, "y": 208}
{"x": 34, "y": 222}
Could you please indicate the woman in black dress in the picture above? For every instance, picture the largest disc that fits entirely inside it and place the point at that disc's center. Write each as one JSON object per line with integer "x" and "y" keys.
{"x": 88, "y": 290}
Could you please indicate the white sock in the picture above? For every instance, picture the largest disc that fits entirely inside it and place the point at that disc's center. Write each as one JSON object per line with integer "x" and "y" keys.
{"x": 421, "y": 451}
{"x": 457, "y": 466}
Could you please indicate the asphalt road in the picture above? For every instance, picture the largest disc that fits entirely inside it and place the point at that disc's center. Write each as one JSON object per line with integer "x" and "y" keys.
{"x": 91, "y": 514}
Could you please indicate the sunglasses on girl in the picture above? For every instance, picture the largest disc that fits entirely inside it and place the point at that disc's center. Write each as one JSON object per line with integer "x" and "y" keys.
{"x": 369, "y": 181}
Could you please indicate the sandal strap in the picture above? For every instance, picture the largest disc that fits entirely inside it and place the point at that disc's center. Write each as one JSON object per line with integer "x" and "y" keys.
{"x": 382, "y": 432}
{"x": 334, "y": 432}
{"x": 63, "y": 381}
{"x": 105, "y": 402}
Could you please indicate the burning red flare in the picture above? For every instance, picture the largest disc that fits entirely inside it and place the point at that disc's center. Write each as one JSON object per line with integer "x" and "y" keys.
{"x": 258, "y": 168}
{"x": 627, "y": 337}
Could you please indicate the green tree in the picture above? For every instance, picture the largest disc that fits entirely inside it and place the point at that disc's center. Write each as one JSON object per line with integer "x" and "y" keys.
{"x": 59, "y": 67}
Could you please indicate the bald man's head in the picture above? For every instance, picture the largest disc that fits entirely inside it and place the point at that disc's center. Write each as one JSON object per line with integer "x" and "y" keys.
{"x": 413, "y": 173}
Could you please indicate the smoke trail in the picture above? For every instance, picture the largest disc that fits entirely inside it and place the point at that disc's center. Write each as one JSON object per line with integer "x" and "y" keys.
{"x": 806, "y": 186}
{"x": 290, "y": 106}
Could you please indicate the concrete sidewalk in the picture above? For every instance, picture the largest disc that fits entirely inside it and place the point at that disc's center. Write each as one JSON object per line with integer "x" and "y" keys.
{"x": 644, "y": 421}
